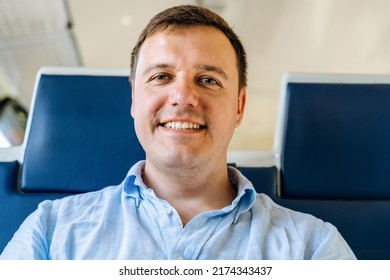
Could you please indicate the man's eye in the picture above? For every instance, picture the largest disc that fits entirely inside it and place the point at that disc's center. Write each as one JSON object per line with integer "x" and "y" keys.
{"x": 160, "y": 77}
{"x": 208, "y": 80}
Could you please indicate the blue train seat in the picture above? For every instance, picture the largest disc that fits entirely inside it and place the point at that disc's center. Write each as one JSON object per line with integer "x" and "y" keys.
{"x": 333, "y": 156}
{"x": 79, "y": 137}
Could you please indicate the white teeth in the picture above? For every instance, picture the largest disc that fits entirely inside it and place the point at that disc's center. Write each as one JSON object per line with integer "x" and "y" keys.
{"x": 181, "y": 125}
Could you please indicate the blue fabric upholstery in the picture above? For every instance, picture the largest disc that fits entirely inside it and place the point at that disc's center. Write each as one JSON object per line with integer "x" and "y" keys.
{"x": 336, "y": 141}
{"x": 81, "y": 136}
{"x": 335, "y": 158}
{"x": 15, "y": 207}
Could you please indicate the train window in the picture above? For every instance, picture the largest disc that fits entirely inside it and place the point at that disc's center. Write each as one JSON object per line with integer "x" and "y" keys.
{"x": 13, "y": 119}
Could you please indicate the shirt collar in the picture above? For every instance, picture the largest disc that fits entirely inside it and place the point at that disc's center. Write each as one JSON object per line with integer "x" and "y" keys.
{"x": 246, "y": 194}
{"x": 133, "y": 182}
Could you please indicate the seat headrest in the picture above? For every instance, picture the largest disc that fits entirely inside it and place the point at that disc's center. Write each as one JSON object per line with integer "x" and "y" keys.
{"x": 336, "y": 141}
{"x": 81, "y": 135}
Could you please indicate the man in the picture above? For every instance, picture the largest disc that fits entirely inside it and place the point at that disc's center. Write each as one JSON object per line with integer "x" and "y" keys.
{"x": 189, "y": 91}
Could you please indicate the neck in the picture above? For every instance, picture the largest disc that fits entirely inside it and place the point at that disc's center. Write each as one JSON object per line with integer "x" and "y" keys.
{"x": 191, "y": 191}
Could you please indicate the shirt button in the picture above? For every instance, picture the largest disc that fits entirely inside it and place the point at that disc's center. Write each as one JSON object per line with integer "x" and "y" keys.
{"x": 180, "y": 258}
{"x": 168, "y": 211}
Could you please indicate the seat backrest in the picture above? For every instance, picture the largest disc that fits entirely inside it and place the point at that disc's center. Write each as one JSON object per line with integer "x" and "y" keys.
{"x": 80, "y": 135}
{"x": 334, "y": 157}
{"x": 336, "y": 138}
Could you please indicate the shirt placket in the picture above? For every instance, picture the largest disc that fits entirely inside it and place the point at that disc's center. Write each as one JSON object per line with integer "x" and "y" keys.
{"x": 192, "y": 238}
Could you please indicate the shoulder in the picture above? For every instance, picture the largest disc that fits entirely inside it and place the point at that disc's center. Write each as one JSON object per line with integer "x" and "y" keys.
{"x": 90, "y": 203}
{"x": 49, "y": 211}
{"x": 107, "y": 193}
{"x": 286, "y": 217}
{"x": 316, "y": 238}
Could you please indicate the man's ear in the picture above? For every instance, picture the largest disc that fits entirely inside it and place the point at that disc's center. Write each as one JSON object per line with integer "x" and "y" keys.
{"x": 241, "y": 105}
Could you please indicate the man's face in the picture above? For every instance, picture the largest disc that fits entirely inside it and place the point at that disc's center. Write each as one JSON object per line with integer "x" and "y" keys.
{"x": 186, "y": 101}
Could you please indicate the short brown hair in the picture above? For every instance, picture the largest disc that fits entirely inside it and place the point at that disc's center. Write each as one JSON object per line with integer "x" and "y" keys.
{"x": 186, "y": 16}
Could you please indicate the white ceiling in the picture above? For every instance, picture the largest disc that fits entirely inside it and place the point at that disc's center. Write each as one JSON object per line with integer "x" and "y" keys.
{"x": 342, "y": 36}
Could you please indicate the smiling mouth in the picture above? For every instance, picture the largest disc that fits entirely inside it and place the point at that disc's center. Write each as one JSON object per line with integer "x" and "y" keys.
{"x": 183, "y": 126}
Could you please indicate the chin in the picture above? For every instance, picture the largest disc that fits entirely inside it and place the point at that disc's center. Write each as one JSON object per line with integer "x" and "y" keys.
{"x": 183, "y": 161}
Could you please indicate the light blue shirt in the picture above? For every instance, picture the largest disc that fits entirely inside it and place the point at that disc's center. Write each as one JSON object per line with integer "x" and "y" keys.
{"x": 128, "y": 221}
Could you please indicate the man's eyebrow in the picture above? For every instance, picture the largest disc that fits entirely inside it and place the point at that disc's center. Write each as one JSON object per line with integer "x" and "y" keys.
{"x": 213, "y": 68}
{"x": 157, "y": 66}
{"x": 205, "y": 67}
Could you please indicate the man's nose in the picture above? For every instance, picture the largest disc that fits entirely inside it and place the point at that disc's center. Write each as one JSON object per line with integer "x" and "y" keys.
{"x": 184, "y": 93}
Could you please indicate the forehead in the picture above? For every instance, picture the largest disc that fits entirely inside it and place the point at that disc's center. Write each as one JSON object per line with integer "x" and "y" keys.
{"x": 194, "y": 44}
